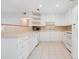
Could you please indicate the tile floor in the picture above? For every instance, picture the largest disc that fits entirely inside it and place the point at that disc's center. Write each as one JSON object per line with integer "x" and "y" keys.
{"x": 50, "y": 51}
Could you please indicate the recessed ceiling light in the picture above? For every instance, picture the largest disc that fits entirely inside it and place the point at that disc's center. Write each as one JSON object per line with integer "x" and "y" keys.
{"x": 40, "y": 6}
{"x": 57, "y": 5}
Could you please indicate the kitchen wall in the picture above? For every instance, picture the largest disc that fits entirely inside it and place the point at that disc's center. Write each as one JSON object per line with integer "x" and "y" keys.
{"x": 68, "y": 18}
{"x": 8, "y": 18}
{"x": 58, "y": 19}
{"x": 15, "y": 18}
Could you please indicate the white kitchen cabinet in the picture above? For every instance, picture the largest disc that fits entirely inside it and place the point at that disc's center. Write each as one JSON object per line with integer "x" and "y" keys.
{"x": 36, "y": 37}
{"x": 13, "y": 49}
{"x": 75, "y": 44}
{"x": 72, "y": 19}
{"x": 51, "y": 36}
{"x": 56, "y": 36}
{"x": 23, "y": 49}
{"x": 75, "y": 15}
{"x": 75, "y": 33}
{"x": 67, "y": 40}
{"x": 44, "y": 36}
{"x": 18, "y": 47}
{"x": 68, "y": 17}
{"x": 71, "y": 15}
{"x": 60, "y": 21}
{"x": 7, "y": 46}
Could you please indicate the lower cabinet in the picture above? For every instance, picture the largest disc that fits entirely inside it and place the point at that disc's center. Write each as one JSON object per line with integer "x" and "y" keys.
{"x": 51, "y": 36}
{"x": 75, "y": 41}
{"x": 18, "y": 48}
{"x": 44, "y": 36}
{"x": 67, "y": 40}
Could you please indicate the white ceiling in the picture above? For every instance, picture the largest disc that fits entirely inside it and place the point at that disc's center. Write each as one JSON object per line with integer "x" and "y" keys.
{"x": 48, "y": 6}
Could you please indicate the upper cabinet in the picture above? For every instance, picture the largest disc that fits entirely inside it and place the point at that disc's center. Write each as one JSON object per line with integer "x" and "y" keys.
{"x": 57, "y": 19}
{"x": 75, "y": 15}
{"x": 71, "y": 15}
{"x": 68, "y": 18}
{"x": 60, "y": 20}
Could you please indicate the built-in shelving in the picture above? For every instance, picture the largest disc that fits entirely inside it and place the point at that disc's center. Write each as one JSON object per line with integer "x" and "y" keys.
{"x": 36, "y": 18}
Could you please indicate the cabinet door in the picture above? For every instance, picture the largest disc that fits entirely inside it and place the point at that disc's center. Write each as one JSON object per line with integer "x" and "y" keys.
{"x": 75, "y": 33}
{"x": 63, "y": 37}
{"x": 59, "y": 36}
{"x": 44, "y": 36}
{"x": 9, "y": 48}
{"x": 60, "y": 22}
{"x": 68, "y": 18}
{"x": 51, "y": 36}
{"x": 75, "y": 15}
{"x": 55, "y": 36}
{"x": 36, "y": 37}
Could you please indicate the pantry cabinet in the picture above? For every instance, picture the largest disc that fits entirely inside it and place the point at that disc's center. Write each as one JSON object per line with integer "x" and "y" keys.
{"x": 71, "y": 40}
{"x": 19, "y": 47}
{"x": 75, "y": 33}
